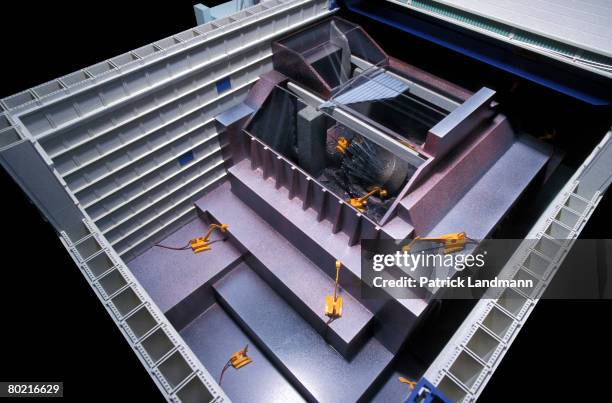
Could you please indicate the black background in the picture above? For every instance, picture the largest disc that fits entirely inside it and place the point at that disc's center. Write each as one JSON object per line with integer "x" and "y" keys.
{"x": 53, "y": 326}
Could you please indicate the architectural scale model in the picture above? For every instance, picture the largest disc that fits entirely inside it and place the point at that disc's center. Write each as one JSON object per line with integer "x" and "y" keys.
{"x": 214, "y": 188}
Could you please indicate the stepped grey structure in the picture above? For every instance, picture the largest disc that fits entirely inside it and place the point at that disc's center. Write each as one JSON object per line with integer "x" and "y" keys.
{"x": 235, "y": 122}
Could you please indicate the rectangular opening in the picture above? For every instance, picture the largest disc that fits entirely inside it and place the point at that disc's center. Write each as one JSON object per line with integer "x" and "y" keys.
{"x": 77, "y": 232}
{"x": 100, "y": 68}
{"x": 557, "y": 231}
{"x": 536, "y": 264}
{"x": 175, "y": 369}
{"x": 567, "y": 217}
{"x": 482, "y": 344}
{"x": 8, "y": 136}
{"x": 584, "y": 193}
{"x": 466, "y": 369}
{"x": 238, "y": 16}
{"x": 48, "y": 88}
{"x": 141, "y": 322}
{"x": 255, "y": 9}
{"x": 146, "y": 50}
{"x": 112, "y": 282}
{"x": 194, "y": 391}
{"x": 202, "y": 29}
{"x": 4, "y": 122}
{"x": 512, "y": 301}
{"x": 451, "y": 390}
{"x": 19, "y": 99}
{"x": 271, "y": 3}
{"x": 126, "y": 301}
{"x": 124, "y": 59}
{"x": 157, "y": 345}
{"x": 167, "y": 43}
{"x": 529, "y": 279}
{"x": 221, "y": 22}
{"x": 187, "y": 35}
{"x": 497, "y": 322}
{"x": 576, "y": 204}
{"x": 88, "y": 247}
{"x": 74, "y": 78}
{"x": 548, "y": 247}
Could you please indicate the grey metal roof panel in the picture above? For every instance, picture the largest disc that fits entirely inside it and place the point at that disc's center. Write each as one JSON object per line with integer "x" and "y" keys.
{"x": 577, "y": 32}
{"x": 586, "y": 24}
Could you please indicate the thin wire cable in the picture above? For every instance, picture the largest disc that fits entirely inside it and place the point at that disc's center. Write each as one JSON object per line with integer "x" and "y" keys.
{"x": 173, "y": 247}
{"x": 188, "y": 246}
{"x": 225, "y": 367}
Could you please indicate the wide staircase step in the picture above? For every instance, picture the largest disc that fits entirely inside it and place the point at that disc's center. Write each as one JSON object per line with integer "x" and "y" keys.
{"x": 315, "y": 239}
{"x": 213, "y": 337}
{"x": 179, "y": 281}
{"x": 288, "y": 271}
{"x": 301, "y": 227}
{"x": 318, "y": 371}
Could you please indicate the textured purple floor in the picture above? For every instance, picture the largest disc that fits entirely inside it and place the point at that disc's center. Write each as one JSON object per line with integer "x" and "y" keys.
{"x": 486, "y": 202}
{"x": 300, "y": 352}
{"x": 170, "y": 276}
{"x": 319, "y": 233}
{"x": 492, "y": 196}
{"x": 299, "y": 276}
{"x": 213, "y": 337}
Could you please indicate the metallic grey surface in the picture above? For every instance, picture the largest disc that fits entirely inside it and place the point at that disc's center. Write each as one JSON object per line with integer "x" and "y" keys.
{"x": 326, "y": 243}
{"x": 451, "y": 130}
{"x": 486, "y": 202}
{"x": 448, "y": 360}
{"x": 294, "y": 276}
{"x": 303, "y": 355}
{"x": 31, "y": 171}
{"x": 213, "y": 337}
{"x": 315, "y": 239}
{"x": 392, "y": 390}
{"x": 586, "y": 23}
{"x": 170, "y": 276}
{"x": 111, "y": 97}
{"x": 414, "y": 88}
{"x": 234, "y": 114}
{"x": 446, "y": 184}
{"x": 378, "y": 85}
{"x": 178, "y": 279}
{"x": 311, "y": 132}
{"x": 597, "y": 176}
{"x": 313, "y": 195}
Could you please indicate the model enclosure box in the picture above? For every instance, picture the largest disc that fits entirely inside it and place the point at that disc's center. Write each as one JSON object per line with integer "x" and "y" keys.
{"x": 297, "y": 130}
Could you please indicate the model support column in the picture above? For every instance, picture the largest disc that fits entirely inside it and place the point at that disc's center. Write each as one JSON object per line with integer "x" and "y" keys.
{"x": 311, "y": 133}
